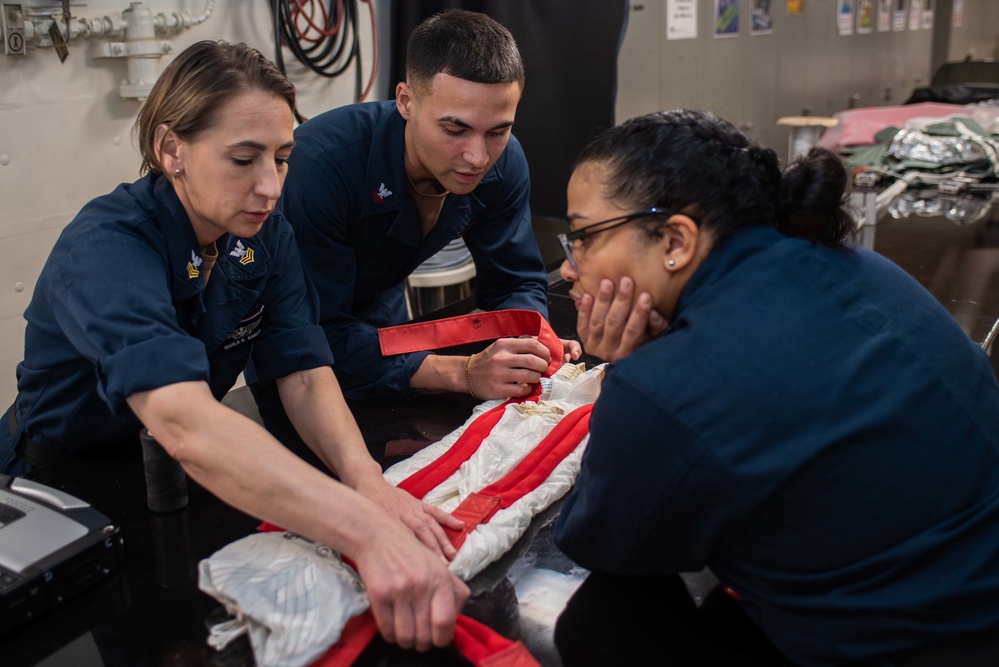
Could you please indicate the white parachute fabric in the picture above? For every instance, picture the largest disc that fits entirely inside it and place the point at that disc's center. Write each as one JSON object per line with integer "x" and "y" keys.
{"x": 519, "y": 430}
{"x": 292, "y": 596}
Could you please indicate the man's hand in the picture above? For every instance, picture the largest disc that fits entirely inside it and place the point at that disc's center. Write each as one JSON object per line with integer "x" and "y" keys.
{"x": 507, "y": 368}
{"x": 571, "y": 349}
{"x": 424, "y": 520}
{"x": 415, "y": 599}
{"x": 616, "y": 323}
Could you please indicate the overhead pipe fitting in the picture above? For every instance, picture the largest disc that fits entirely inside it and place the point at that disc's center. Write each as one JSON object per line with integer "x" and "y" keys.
{"x": 176, "y": 22}
{"x": 141, "y": 51}
{"x": 141, "y": 48}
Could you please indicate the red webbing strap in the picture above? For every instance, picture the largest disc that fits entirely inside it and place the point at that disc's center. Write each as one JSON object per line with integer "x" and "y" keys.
{"x": 354, "y": 638}
{"x": 268, "y": 527}
{"x": 478, "y": 507}
{"x": 474, "y": 328}
{"x": 543, "y": 459}
{"x": 479, "y": 644}
{"x": 455, "y": 331}
{"x": 475, "y": 509}
{"x": 422, "y": 481}
{"x": 483, "y": 647}
{"x": 433, "y": 474}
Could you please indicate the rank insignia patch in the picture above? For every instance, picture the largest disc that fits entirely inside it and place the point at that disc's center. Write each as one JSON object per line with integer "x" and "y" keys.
{"x": 244, "y": 254}
{"x": 194, "y": 266}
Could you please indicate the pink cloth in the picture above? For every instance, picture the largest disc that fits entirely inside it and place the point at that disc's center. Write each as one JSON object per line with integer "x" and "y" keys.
{"x": 857, "y": 127}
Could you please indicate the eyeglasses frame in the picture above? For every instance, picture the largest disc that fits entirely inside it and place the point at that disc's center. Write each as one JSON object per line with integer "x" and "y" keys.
{"x": 568, "y": 239}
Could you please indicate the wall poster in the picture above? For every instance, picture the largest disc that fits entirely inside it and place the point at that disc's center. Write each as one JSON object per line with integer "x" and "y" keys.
{"x": 957, "y": 18}
{"x": 761, "y": 18}
{"x": 927, "y": 20}
{"x": 726, "y": 18}
{"x": 795, "y": 7}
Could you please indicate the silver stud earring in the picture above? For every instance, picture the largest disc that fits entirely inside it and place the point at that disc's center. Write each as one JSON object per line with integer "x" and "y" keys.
{"x": 178, "y": 171}
{"x": 671, "y": 262}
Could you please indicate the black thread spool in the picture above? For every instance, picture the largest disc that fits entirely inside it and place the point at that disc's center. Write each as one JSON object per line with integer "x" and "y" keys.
{"x": 166, "y": 481}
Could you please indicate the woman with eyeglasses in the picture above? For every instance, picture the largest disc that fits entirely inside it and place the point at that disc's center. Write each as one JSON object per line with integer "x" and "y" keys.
{"x": 812, "y": 426}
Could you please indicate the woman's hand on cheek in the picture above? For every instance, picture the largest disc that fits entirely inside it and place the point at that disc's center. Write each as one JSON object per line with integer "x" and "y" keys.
{"x": 657, "y": 323}
{"x": 615, "y": 323}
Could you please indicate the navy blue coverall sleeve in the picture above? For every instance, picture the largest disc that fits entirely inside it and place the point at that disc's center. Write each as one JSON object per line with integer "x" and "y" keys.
{"x": 131, "y": 336}
{"x": 649, "y": 498}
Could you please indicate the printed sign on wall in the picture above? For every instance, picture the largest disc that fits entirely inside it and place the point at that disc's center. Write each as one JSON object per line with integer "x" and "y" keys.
{"x": 681, "y": 19}
{"x": 884, "y": 15}
{"x": 844, "y": 17}
{"x": 865, "y": 17}
{"x": 926, "y": 23}
{"x": 898, "y": 23}
{"x": 915, "y": 14}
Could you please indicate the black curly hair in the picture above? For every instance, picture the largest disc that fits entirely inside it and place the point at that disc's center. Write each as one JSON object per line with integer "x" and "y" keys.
{"x": 697, "y": 163}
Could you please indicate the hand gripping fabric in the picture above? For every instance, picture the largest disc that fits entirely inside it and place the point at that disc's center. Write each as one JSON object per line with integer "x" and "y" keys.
{"x": 479, "y": 644}
{"x": 474, "y": 328}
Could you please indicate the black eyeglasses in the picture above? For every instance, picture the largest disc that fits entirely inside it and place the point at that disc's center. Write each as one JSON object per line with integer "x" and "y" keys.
{"x": 568, "y": 241}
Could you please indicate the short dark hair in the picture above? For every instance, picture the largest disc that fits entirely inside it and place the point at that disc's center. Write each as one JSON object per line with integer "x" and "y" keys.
{"x": 196, "y": 84}
{"x": 697, "y": 163}
{"x": 463, "y": 44}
